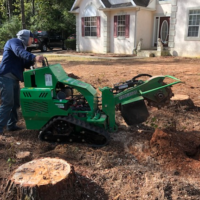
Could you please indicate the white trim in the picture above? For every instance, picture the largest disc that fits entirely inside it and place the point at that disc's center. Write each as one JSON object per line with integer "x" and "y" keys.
{"x": 133, "y": 3}
{"x": 102, "y": 4}
{"x": 164, "y": 2}
{"x": 73, "y": 5}
{"x": 186, "y": 29}
{"x": 75, "y": 11}
{"x": 128, "y": 8}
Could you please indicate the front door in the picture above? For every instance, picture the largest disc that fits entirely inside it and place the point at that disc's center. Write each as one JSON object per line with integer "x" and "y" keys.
{"x": 164, "y": 30}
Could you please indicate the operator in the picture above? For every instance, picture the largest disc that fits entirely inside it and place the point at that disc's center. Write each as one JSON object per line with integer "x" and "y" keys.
{"x": 15, "y": 60}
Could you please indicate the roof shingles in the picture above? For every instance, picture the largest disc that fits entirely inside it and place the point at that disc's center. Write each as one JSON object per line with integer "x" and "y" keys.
{"x": 143, "y": 3}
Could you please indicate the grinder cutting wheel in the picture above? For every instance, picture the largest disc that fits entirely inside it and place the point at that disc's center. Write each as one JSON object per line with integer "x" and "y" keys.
{"x": 64, "y": 109}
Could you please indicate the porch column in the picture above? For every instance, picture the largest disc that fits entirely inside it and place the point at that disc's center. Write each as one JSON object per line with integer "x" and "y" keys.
{"x": 78, "y": 27}
{"x": 106, "y": 32}
{"x": 172, "y": 30}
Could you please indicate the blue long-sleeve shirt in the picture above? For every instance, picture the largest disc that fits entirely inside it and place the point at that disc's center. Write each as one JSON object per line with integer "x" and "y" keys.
{"x": 15, "y": 59}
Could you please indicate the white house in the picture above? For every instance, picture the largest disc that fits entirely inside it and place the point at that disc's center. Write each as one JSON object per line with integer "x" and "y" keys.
{"x": 117, "y": 26}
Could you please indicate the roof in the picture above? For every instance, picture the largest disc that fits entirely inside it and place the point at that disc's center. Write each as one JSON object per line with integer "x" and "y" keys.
{"x": 121, "y": 5}
{"x": 143, "y": 3}
{"x": 107, "y": 4}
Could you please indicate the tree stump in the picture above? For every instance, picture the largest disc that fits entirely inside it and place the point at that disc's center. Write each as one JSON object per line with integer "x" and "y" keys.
{"x": 181, "y": 101}
{"x": 42, "y": 179}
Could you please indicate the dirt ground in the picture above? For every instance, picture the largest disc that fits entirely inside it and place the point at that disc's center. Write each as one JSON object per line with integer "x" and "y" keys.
{"x": 158, "y": 159}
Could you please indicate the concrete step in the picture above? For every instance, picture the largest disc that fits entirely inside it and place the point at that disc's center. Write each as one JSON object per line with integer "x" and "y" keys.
{"x": 153, "y": 53}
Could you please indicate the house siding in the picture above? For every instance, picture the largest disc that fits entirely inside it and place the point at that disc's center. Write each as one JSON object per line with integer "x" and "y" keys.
{"x": 163, "y": 8}
{"x": 182, "y": 46}
{"x": 144, "y": 31}
{"x": 122, "y": 45}
{"x": 91, "y": 44}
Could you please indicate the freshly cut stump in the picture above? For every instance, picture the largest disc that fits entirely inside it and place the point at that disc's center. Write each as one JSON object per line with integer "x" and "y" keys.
{"x": 42, "y": 179}
{"x": 180, "y": 100}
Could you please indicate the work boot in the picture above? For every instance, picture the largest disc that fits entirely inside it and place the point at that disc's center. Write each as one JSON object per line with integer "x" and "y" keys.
{"x": 15, "y": 128}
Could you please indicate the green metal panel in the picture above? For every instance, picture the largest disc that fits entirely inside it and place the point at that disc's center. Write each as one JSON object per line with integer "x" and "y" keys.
{"x": 133, "y": 100}
{"x": 108, "y": 106}
{"x": 38, "y": 98}
{"x": 37, "y": 105}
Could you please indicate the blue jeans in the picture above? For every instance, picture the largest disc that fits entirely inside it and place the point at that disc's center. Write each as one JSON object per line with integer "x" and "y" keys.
{"x": 9, "y": 94}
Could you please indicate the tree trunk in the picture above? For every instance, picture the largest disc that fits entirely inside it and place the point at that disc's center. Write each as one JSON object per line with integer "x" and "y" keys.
{"x": 42, "y": 179}
{"x": 33, "y": 7}
{"x": 23, "y": 15}
{"x": 10, "y": 9}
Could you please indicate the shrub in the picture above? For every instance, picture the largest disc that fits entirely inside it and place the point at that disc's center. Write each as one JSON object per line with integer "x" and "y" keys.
{"x": 165, "y": 53}
{"x": 151, "y": 55}
{"x": 71, "y": 44}
{"x": 9, "y": 30}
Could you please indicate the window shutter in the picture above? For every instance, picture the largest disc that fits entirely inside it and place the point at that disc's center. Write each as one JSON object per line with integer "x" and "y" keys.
{"x": 98, "y": 27}
{"x": 115, "y": 26}
{"x": 82, "y": 26}
{"x": 127, "y": 26}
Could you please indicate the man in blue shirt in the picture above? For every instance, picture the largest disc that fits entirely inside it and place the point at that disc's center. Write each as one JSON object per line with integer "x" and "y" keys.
{"x": 15, "y": 60}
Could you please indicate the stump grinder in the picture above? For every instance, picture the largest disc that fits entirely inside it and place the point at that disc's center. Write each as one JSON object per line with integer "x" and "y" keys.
{"x": 65, "y": 109}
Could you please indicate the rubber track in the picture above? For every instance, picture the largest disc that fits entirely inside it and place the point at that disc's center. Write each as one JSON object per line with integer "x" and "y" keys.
{"x": 70, "y": 119}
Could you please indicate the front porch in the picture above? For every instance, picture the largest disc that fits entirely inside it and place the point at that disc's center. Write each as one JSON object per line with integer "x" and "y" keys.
{"x": 153, "y": 53}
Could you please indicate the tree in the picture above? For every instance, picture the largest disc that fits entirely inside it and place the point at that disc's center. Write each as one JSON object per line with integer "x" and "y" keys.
{"x": 38, "y": 15}
{"x": 9, "y": 29}
{"x": 54, "y": 15}
{"x": 23, "y": 15}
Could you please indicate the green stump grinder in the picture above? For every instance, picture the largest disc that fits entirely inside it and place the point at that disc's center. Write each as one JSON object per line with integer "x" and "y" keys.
{"x": 65, "y": 109}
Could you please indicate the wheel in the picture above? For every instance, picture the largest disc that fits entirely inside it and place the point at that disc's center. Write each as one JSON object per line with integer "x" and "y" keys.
{"x": 134, "y": 113}
{"x": 63, "y": 127}
{"x": 44, "y": 47}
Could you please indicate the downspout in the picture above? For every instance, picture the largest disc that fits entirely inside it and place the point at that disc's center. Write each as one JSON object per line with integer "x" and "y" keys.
{"x": 135, "y": 44}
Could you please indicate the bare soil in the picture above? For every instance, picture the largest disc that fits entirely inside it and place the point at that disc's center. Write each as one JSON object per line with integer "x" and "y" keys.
{"x": 158, "y": 159}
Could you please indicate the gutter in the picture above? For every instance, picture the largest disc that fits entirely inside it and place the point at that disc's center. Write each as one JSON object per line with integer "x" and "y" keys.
{"x": 126, "y": 8}
{"x": 73, "y": 12}
{"x": 76, "y": 11}
{"x": 117, "y": 8}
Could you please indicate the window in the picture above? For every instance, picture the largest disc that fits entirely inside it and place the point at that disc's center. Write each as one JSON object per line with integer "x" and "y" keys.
{"x": 193, "y": 23}
{"x": 91, "y": 26}
{"x": 164, "y": 31}
{"x": 121, "y": 26}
